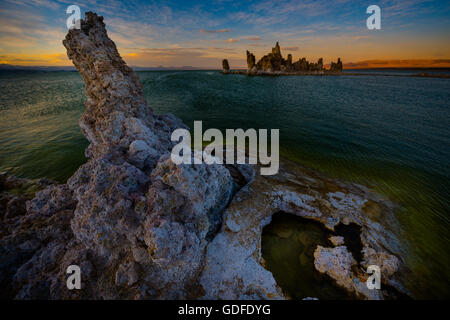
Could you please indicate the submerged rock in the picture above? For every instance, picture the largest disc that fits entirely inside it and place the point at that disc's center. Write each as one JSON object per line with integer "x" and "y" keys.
{"x": 140, "y": 226}
{"x": 338, "y": 263}
{"x": 337, "y": 240}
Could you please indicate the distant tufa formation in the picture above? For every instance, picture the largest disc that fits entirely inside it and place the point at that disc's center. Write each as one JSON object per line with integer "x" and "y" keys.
{"x": 274, "y": 63}
{"x": 225, "y": 65}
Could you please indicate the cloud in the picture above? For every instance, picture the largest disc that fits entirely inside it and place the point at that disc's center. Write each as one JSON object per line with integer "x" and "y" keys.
{"x": 36, "y": 59}
{"x": 177, "y": 57}
{"x": 269, "y": 12}
{"x": 192, "y": 34}
{"x": 404, "y": 8}
{"x": 215, "y": 31}
{"x": 31, "y": 32}
{"x": 421, "y": 63}
{"x": 37, "y": 3}
{"x": 359, "y": 37}
{"x": 253, "y": 38}
{"x": 290, "y": 48}
{"x": 222, "y": 50}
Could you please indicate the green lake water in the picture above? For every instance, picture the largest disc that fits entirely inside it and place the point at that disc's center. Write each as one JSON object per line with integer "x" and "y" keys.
{"x": 391, "y": 134}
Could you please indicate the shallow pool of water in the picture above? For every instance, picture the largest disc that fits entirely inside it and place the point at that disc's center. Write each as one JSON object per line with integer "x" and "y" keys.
{"x": 287, "y": 247}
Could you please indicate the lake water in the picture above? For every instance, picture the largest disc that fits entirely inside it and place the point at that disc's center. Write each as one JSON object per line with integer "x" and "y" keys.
{"x": 391, "y": 134}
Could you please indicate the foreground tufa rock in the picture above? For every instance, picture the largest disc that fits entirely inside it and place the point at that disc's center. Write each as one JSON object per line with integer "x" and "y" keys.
{"x": 145, "y": 219}
{"x": 135, "y": 223}
{"x": 141, "y": 227}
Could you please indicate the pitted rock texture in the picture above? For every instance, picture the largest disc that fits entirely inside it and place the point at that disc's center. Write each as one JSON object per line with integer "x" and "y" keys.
{"x": 147, "y": 219}
{"x": 33, "y": 240}
{"x": 273, "y": 63}
{"x": 301, "y": 192}
{"x": 337, "y": 240}
{"x": 135, "y": 223}
{"x": 141, "y": 227}
{"x": 338, "y": 263}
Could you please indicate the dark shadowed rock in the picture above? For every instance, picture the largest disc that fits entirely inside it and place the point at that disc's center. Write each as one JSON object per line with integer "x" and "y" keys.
{"x": 225, "y": 65}
{"x": 336, "y": 67}
{"x": 250, "y": 60}
{"x": 276, "y": 51}
{"x": 320, "y": 64}
{"x": 289, "y": 62}
{"x": 274, "y": 64}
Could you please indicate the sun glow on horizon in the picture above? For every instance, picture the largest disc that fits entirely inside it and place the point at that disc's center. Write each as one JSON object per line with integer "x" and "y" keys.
{"x": 202, "y": 34}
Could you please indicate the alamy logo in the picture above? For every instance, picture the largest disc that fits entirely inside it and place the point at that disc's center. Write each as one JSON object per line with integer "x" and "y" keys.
{"x": 74, "y": 280}
{"x": 374, "y": 21}
{"x": 213, "y": 153}
{"x": 73, "y": 21}
{"x": 374, "y": 281}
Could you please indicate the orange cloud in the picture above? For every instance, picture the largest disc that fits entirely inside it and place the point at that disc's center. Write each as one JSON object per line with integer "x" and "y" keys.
{"x": 420, "y": 63}
{"x": 290, "y": 48}
{"x": 215, "y": 31}
{"x": 50, "y": 59}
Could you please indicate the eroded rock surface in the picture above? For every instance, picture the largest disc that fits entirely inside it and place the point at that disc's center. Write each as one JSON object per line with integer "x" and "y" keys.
{"x": 337, "y": 240}
{"x": 141, "y": 227}
{"x": 135, "y": 223}
{"x": 273, "y": 63}
{"x": 33, "y": 235}
{"x": 301, "y": 192}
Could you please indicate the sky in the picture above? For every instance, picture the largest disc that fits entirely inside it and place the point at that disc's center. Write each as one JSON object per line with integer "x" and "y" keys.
{"x": 202, "y": 33}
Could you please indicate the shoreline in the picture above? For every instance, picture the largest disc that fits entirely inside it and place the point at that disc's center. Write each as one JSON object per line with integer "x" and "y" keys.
{"x": 263, "y": 74}
{"x": 279, "y": 73}
{"x": 322, "y": 188}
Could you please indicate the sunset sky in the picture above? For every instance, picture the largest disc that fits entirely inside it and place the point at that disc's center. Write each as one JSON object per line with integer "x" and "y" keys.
{"x": 202, "y": 33}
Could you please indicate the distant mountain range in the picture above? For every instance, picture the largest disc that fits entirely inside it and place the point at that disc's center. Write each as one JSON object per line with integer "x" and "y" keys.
{"x": 368, "y": 64}
{"x": 35, "y": 68}
{"x": 168, "y": 68}
{"x": 71, "y": 68}
{"x": 399, "y": 64}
